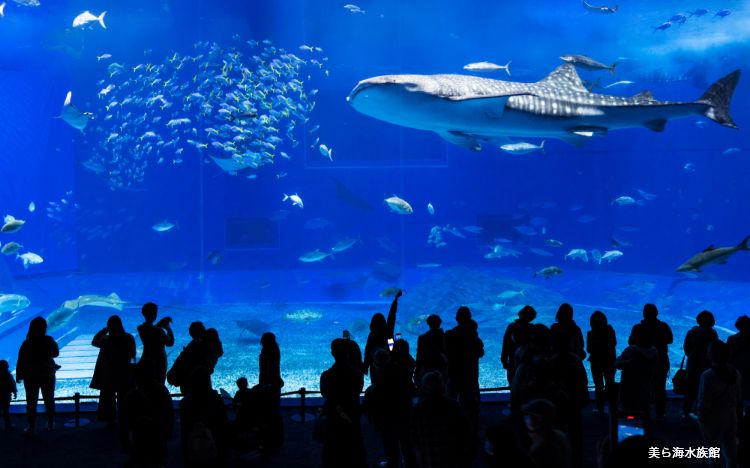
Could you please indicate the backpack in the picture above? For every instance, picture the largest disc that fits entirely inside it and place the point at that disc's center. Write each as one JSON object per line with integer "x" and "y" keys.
{"x": 201, "y": 446}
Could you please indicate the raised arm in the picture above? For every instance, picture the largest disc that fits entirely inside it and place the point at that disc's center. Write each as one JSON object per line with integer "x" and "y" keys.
{"x": 392, "y": 314}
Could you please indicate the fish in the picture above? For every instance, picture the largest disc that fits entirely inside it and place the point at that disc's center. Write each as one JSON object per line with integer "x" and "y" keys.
{"x": 624, "y": 200}
{"x": 163, "y": 226}
{"x": 214, "y": 257}
{"x": 303, "y": 315}
{"x": 72, "y": 116}
{"x": 510, "y": 294}
{"x": 398, "y": 205}
{"x": 619, "y": 83}
{"x": 429, "y": 265}
{"x": 526, "y": 230}
{"x": 13, "y": 302}
{"x": 353, "y": 8}
{"x": 106, "y": 90}
{"x": 598, "y": 9}
{"x": 87, "y": 17}
{"x": 111, "y": 301}
{"x": 597, "y": 256}
{"x": 689, "y": 167}
{"x": 646, "y": 195}
{"x": 712, "y": 255}
{"x": 553, "y": 243}
{"x": 430, "y": 209}
{"x": 723, "y": 13}
{"x": 103, "y": 57}
{"x": 473, "y": 229}
{"x": 488, "y": 66}
{"x": 11, "y": 224}
{"x": 465, "y": 110}
{"x": 314, "y": 256}
{"x": 610, "y": 255}
{"x": 254, "y": 326}
{"x": 2, "y": 9}
{"x": 28, "y": 3}
{"x": 678, "y": 18}
{"x": 663, "y": 26}
{"x": 317, "y": 223}
{"x": 10, "y": 248}
{"x": 540, "y": 252}
{"x": 698, "y": 12}
{"x": 522, "y": 147}
{"x": 731, "y": 150}
{"x": 577, "y": 253}
{"x": 295, "y": 199}
{"x": 498, "y": 251}
{"x": 344, "y": 244}
{"x": 549, "y": 272}
{"x": 30, "y": 258}
{"x": 326, "y": 151}
{"x": 587, "y": 63}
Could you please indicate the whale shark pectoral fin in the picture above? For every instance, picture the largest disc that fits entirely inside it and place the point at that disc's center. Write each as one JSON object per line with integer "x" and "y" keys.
{"x": 461, "y": 139}
{"x": 656, "y": 125}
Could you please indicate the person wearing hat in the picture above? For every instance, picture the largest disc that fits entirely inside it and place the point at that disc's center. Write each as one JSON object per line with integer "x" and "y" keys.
{"x": 550, "y": 447}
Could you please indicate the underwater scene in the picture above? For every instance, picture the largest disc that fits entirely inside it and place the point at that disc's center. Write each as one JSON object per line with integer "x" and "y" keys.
{"x": 287, "y": 166}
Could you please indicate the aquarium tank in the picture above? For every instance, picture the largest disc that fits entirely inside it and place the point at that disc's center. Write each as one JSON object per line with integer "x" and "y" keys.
{"x": 287, "y": 166}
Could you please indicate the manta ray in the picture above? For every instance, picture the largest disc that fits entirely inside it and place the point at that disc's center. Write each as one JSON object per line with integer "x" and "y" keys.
{"x": 468, "y": 110}
{"x": 74, "y": 117}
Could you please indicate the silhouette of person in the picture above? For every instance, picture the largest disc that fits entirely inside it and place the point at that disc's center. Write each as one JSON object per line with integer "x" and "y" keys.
{"x": 522, "y": 325}
{"x": 567, "y": 326}
{"x": 193, "y": 355}
{"x": 36, "y": 369}
{"x": 739, "y": 352}
{"x": 549, "y": 447}
{"x": 431, "y": 350}
{"x": 439, "y": 427}
{"x": 463, "y": 349}
{"x": 381, "y": 330}
{"x": 660, "y": 336}
{"x": 113, "y": 373}
{"x": 148, "y": 417}
{"x": 204, "y": 426}
{"x": 7, "y": 388}
{"x": 601, "y": 342}
{"x": 394, "y": 388}
{"x": 570, "y": 375}
{"x": 155, "y": 339}
{"x": 638, "y": 363}
{"x": 270, "y": 423}
{"x": 720, "y": 404}
{"x": 213, "y": 348}
{"x": 343, "y": 445}
{"x": 354, "y": 351}
{"x": 243, "y": 422}
{"x": 696, "y": 344}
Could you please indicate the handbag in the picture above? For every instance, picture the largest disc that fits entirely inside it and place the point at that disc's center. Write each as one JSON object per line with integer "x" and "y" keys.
{"x": 679, "y": 379}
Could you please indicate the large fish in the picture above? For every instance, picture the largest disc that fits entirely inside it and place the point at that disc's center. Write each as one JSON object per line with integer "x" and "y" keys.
{"x": 73, "y": 116}
{"x": 468, "y": 110}
{"x": 713, "y": 255}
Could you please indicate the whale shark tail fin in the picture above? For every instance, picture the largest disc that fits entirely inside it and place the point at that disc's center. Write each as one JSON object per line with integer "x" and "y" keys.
{"x": 718, "y": 97}
{"x": 743, "y": 245}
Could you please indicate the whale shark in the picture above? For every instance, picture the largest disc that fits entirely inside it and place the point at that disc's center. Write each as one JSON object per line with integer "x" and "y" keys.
{"x": 469, "y": 110}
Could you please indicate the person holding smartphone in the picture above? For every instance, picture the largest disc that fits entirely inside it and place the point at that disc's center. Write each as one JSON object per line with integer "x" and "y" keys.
{"x": 155, "y": 339}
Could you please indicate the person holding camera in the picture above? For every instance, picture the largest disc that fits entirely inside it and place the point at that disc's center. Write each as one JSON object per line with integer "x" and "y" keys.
{"x": 155, "y": 339}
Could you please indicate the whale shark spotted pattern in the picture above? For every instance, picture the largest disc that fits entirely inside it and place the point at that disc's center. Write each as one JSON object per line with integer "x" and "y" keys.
{"x": 467, "y": 110}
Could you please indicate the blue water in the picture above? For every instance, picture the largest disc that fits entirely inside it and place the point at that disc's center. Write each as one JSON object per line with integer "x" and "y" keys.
{"x": 234, "y": 251}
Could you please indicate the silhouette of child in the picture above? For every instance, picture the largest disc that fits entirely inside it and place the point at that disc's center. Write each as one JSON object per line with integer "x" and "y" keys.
{"x": 7, "y": 387}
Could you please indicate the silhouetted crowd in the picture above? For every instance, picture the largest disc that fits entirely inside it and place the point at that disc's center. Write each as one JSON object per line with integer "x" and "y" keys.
{"x": 426, "y": 409}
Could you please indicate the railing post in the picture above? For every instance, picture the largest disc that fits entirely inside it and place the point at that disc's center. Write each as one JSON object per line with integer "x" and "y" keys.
{"x": 78, "y": 409}
{"x": 302, "y": 404}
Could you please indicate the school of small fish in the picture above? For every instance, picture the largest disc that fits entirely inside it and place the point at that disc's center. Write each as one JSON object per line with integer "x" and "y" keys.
{"x": 236, "y": 106}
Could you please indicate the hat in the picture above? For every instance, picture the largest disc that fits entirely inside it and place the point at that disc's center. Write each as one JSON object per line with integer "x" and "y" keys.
{"x": 544, "y": 409}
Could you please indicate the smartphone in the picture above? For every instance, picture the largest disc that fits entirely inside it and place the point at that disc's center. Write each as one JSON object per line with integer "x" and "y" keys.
{"x": 628, "y": 426}
{"x": 398, "y": 336}
{"x": 390, "y": 344}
